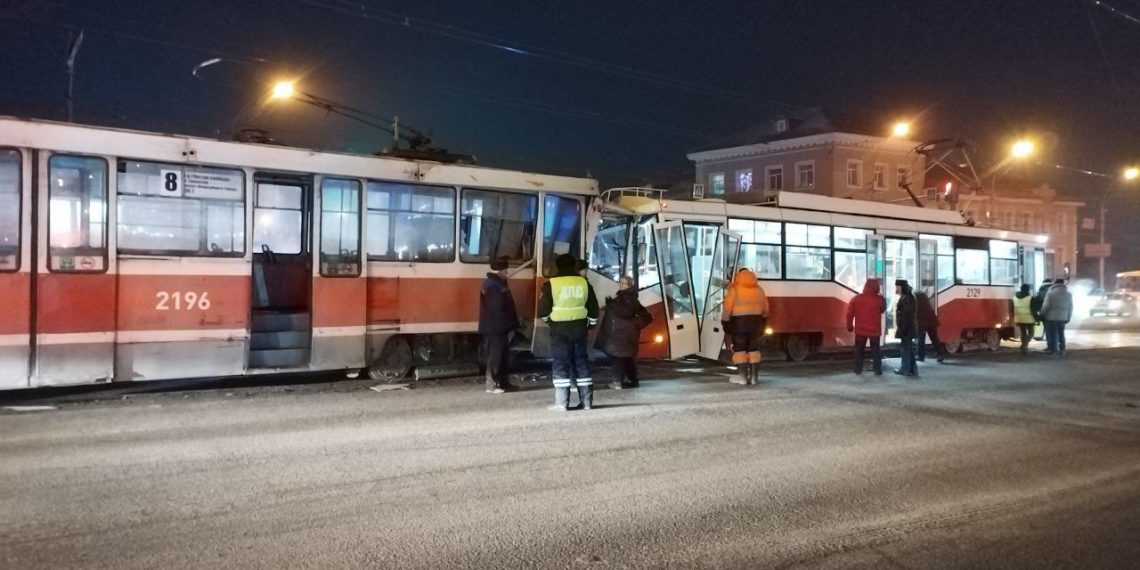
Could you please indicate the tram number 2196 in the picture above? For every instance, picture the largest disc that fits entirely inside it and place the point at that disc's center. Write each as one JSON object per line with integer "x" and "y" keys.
{"x": 181, "y": 301}
{"x": 973, "y": 292}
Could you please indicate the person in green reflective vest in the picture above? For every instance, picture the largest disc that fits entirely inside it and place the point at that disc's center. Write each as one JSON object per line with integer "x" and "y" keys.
{"x": 568, "y": 305}
{"x": 1024, "y": 316}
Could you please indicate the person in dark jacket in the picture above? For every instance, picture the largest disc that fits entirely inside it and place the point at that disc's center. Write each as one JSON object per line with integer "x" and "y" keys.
{"x": 568, "y": 305}
{"x": 906, "y": 327}
{"x": 927, "y": 326}
{"x": 1035, "y": 308}
{"x": 498, "y": 321}
{"x": 620, "y": 333}
{"x": 865, "y": 319}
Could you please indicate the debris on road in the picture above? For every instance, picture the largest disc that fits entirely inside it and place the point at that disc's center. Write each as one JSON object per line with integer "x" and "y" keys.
{"x": 389, "y": 387}
{"x": 30, "y": 408}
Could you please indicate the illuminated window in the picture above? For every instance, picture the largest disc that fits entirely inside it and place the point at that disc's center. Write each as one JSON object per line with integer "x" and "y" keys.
{"x": 880, "y": 177}
{"x": 340, "y": 228}
{"x": 77, "y": 213}
{"x": 497, "y": 224}
{"x": 744, "y": 180}
{"x": 410, "y": 222}
{"x": 9, "y": 210}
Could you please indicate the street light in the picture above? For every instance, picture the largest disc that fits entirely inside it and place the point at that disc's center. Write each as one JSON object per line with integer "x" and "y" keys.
{"x": 1131, "y": 173}
{"x": 282, "y": 90}
{"x": 900, "y": 129}
{"x": 1022, "y": 149}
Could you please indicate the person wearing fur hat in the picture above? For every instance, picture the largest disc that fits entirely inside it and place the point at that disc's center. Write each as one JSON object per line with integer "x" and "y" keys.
{"x": 498, "y": 320}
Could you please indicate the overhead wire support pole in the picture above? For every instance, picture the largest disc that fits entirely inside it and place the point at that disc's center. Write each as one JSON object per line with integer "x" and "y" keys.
{"x": 73, "y": 53}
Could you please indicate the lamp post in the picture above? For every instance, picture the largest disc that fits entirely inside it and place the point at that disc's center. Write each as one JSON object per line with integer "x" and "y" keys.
{"x": 1130, "y": 174}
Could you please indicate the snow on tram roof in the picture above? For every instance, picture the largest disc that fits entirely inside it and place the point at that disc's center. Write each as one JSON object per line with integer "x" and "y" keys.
{"x": 145, "y": 145}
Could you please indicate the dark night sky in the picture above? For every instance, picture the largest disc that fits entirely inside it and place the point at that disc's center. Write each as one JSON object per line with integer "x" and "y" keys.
{"x": 981, "y": 69}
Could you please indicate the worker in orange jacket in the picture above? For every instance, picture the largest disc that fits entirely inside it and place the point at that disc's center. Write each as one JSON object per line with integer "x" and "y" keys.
{"x": 744, "y": 316}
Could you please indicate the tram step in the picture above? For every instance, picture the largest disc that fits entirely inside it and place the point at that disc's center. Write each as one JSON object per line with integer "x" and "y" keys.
{"x": 281, "y": 358}
{"x": 274, "y": 321}
{"x": 260, "y": 340}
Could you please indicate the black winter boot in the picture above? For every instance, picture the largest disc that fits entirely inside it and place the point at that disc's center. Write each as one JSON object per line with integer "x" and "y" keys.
{"x": 586, "y": 396}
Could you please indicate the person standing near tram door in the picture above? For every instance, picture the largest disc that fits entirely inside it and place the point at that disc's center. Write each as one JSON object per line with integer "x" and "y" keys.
{"x": 744, "y": 316}
{"x": 1023, "y": 315}
{"x": 1056, "y": 312}
{"x": 568, "y": 305}
{"x": 906, "y": 327}
{"x": 620, "y": 333}
{"x": 927, "y": 326}
{"x": 865, "y": 319}
{"x": 497, "y": 323}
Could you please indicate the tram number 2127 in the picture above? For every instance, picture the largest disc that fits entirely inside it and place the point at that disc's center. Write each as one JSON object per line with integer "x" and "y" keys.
{"x": 181, "y": 301}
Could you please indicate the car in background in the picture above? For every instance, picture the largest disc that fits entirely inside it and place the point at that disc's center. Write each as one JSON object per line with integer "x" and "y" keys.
{"x": 1117, "y": 304}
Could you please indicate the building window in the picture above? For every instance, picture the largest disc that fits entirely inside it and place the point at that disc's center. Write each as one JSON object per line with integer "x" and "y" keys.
{"x": 805, "y": 174}
{"x": 716, "y": 183}
{"x": 880, "y": 177}
{"x": 855, "y": 173}
{"x": 781, "y": 125}
{"x": 902, "y": 176}
{"x": 744, "y": 180}
{"x": 775, "y": 176}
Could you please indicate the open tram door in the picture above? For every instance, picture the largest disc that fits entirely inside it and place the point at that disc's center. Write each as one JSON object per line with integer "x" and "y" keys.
{"x": 928, "y": 270}
{"x": 281, "y": 293}
{"x": 724, "y": 262}
{"x": 676, "y": 289}
{"x": 877, "y": 267}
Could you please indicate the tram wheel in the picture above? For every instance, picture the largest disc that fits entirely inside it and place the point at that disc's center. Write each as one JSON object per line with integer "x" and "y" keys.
{"x": 993, "y": 339}
{"x": 394, "y": 362}
{"x": 798, "y": 347}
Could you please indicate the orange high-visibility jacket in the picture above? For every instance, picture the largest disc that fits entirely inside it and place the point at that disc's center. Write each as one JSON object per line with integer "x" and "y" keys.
{"x": 745, "y": 297}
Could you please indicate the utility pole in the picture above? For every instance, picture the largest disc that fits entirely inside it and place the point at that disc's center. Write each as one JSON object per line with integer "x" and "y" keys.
{"x": 1102, "y": 252}
{"x": 74, "y": 52}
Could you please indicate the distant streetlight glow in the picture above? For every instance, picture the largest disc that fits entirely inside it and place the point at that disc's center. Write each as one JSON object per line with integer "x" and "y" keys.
{"x": 1131, "y": 173}
{"x": 283, "y": 90}
{"x": 1022, "y": 148}
{"x": 900, "y": 130}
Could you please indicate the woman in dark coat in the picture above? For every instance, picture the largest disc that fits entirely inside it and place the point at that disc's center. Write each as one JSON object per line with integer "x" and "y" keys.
{"x": 620, "y": 333}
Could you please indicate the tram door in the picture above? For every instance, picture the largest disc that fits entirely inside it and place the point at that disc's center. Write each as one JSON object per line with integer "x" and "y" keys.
{"x": 74, "y": 289}
{"x": 677, "y": 289}
{"x": 900, "y": 261}
{"x": 340, "y": 284}
{"x": 722, "y": 269}
{"x": 281, "y": 291}
{"x": 928, "y": 270}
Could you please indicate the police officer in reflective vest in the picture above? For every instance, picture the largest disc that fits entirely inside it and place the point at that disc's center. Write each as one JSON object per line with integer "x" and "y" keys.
{"x": 569, "y": 306}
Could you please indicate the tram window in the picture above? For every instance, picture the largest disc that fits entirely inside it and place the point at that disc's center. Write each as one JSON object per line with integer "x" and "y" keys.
{"x": 945, "y": 251}
{"x": 851, "y": 269}
{"x": 340, "y": 228}
{"x": 756, "y": 231}
{"x": 561, "y": 230}
{"x": 607, "y": 256}
{"x": 646, "y": 255}
{"x": 9, "y": 210}
{"x": 808, "y": 235}
{"x": 410, "y": 222}
{"x": 762, "y": 259}
{"x": 171, "y": 209}
{"x": 77, "y": 213}
{"x": 278, "y": 218}
{"x": 1003, "y": 262}
{"x": 973, "y": 266}
{"x": 811, "y": 263}
{"x": 497, "y": 224}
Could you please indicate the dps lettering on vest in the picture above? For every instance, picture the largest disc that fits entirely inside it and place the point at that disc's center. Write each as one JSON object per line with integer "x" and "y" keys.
{"x": 570, "y": 295}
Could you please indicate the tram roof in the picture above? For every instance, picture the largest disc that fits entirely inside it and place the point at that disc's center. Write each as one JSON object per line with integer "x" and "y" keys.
{"x": 144, "y": 145}
{"x": 807, "y": 208}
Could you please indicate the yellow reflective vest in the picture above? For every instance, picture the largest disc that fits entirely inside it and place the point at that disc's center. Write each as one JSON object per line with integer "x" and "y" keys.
{"x": 1022, "y": 313}
{"x": 569, "y": 299}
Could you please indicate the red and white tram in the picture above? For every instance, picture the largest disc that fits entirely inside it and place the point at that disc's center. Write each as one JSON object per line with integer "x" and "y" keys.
{"x": 812, "y": 254}
{"x": 131, "y": 256}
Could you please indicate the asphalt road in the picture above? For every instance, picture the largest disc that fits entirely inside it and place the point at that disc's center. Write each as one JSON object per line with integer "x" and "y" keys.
{"x": 989, "y": 461}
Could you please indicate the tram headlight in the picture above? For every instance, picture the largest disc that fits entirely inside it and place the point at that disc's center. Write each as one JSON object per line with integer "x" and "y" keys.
{"x": 768, "y": 331}
{"x": 659, "y": 339}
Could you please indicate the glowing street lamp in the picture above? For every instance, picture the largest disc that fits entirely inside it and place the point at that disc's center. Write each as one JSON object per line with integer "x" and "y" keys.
{"x": 1022, "y": 149}
{"x": 1131, "y": 173}
{"x": 282, "y": 90}
{"x": 900, "y": 129}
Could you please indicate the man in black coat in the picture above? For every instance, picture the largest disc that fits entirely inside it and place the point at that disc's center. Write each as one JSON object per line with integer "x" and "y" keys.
{"x": 498, "y": 320}
{"x": 906, "y": 327}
